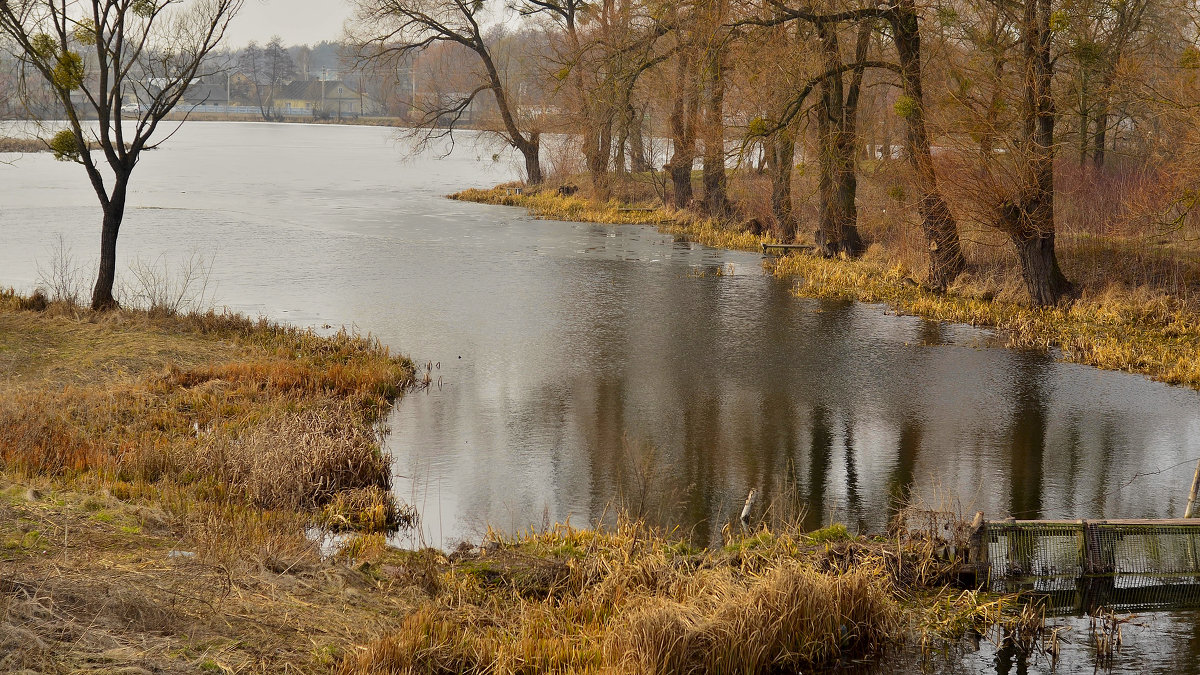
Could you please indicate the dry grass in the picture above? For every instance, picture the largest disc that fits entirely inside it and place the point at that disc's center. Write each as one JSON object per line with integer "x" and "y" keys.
{"x": 792, "y": 617}
{"x": 91, "y": 583}
{"x": 161, "y": 480}
{"x": 224, "y": 407}
{"x": 550, "y": 204}
{"x": 633, "y": 599}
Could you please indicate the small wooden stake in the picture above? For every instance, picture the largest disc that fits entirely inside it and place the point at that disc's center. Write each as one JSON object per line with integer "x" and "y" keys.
{"x": 746, "y": 508}
{"x": 1192, "y": 494}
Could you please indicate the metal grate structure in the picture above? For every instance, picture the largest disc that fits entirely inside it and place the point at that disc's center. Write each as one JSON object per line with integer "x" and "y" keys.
{"x": 1122, "y": 564}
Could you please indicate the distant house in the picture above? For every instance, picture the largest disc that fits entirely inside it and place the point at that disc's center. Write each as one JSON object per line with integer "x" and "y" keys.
{"x": 205, "y": 94}
{"x": 323, "y": 98}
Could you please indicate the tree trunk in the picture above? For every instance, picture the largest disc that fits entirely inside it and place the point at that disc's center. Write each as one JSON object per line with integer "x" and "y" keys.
{"x": 715, "y": 196}
{"x": 1039, "y": 267}
{"x": 619, "y": 160}
{"x": 838, "y": 185}
{"x": 529, "y": 147}
{"x": 637, "y": 148}
{"x": 1084, "y": 121}
{"x": 598, "y": 151}
{"x": 683, "y": 134}
{"x": 114, "y": 213}
{"x": 781, "y": 156}
{"x": 681, "y": 185}
{"x": 531, "y": 150}
{"x": 946, "y": 260}
{"x": 1100, "y": 138}
{"x": 1029, "y": 219}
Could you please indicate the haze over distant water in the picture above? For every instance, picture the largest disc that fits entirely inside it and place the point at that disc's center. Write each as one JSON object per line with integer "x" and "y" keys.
{"x": 296, "y": 21}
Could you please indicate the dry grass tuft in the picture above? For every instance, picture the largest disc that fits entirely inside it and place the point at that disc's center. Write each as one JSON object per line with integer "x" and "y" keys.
{"x": 793, "y": 617}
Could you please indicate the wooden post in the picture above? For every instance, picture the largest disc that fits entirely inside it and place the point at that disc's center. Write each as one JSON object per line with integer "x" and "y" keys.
{"x": 749, "y": 504}
{"x": 977, "y": 571}
{"x": 977, "y": 548}
{"x": 1192, "y": 495}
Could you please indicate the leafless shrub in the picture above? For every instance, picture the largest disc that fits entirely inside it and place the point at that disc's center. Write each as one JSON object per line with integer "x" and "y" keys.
{"x": 157, "y": 288}
{"x": 64, "y": 277}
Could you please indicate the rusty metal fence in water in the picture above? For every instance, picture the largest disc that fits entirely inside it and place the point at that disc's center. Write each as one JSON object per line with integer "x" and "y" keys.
{"x": 1125, "y": 565}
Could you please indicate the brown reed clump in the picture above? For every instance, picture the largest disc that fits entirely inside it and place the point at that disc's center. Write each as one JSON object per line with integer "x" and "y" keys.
{"x": 793, "y": 617}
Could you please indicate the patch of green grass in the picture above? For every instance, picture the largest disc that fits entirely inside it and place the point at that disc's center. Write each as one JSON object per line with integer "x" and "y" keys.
{"x": 758, "y": 540}
{"x": 683, "y": 548}
{"x": 832, "y": 533}
{"x": 29, "y": 541}
{"x": 568, "y": 549}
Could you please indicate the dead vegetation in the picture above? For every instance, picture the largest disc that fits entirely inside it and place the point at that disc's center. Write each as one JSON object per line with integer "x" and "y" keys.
{"x": 634, "y": 599}
{"x": 91, "y": 583}
{"x": 227, "y": 408}
{"x": 168, "y": 481}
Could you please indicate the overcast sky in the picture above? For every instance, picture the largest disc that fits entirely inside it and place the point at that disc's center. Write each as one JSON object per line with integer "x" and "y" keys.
{"x": 296, "y": 21}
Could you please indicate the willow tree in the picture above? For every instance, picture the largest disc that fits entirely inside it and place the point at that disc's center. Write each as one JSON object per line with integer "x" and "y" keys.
{"x": 391, "y": 29}
{"x": 95, "y": 56}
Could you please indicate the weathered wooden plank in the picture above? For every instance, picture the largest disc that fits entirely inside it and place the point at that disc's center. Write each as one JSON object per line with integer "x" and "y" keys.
{"x": 1186, "y": 522}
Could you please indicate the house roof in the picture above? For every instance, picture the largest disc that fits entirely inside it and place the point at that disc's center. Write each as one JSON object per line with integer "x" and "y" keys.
{"x": 210, "y": 94}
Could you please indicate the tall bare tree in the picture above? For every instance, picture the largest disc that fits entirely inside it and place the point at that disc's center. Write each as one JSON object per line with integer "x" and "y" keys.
{"x": 269, "y": 67}
{"x": 394, "y": 28}
{"x": 95, "y": 53}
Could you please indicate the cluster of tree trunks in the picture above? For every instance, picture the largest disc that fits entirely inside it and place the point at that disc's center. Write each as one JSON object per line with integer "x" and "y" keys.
{"x": 603, "y": 62}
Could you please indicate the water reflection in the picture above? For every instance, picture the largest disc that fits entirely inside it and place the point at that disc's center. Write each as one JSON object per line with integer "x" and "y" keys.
{"x": 674, "y": 394}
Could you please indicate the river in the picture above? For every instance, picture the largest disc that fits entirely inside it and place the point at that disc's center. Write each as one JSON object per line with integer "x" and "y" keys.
{"x": 579, "y": 368}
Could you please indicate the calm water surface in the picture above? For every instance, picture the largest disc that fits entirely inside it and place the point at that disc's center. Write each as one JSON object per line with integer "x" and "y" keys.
{"x": 579, "y": 367}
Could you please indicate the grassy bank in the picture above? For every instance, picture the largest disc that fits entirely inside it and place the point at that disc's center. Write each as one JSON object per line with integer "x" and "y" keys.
{"x": 1134, "y": 328}
{"x": 207, "y": 494}
{"x": 161, "y": 480}
{"x": 1150, "y": 334}
{"x": 200, "y": 403}
{"x": 552, "y": 205}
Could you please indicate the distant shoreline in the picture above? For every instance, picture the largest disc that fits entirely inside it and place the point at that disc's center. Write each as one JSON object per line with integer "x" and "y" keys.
{"x": 393, "y": 122}
{"x": 30, "y": 145}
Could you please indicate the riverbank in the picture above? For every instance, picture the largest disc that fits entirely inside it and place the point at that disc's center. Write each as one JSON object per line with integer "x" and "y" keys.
{"x": 552, "y": 205}
{"x": 207, "y": 492}
{"x": 1136, "y": 329}
{"x": 170, "y": 487}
